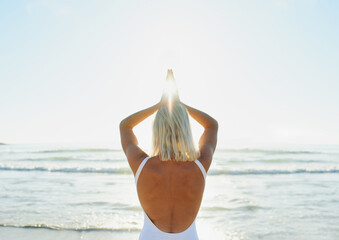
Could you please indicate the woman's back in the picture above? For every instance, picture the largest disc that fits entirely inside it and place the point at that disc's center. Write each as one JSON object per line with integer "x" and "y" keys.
{"x": 170, "y": 193}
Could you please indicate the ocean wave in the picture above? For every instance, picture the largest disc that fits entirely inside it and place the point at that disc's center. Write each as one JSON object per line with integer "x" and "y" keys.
{"x": 271, "y": 171}
{"x": 215, "y": 209}
{"x": 79, "y": 150}
{"x": 272, "y": 160}
{"x": 333, "y": 169}
{"x": 56, "y": 227}
{"x": 61, "y": 150}
{"x": 69, "y": 170}
{"x": 275, "y": 151}
{"x": 63, "y": 159}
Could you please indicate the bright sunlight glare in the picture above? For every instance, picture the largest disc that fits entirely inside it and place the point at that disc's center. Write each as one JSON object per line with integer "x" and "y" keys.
{"x": 170, "y": 89}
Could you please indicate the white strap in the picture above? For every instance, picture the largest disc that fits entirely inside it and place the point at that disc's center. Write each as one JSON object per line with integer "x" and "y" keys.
{"x": 139, "y": 169}
{"x": 201, "y": 168}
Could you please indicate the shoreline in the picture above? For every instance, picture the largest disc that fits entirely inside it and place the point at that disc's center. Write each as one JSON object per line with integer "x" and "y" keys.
{"x": 33, "y": 233}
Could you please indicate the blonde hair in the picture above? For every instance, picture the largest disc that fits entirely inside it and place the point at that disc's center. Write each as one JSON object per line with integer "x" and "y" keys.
{"x": 172, "y": 135}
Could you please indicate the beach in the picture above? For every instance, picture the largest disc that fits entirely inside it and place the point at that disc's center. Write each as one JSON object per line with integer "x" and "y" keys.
{"x": 47, "y": 234}
{"x": 75, "y": 191}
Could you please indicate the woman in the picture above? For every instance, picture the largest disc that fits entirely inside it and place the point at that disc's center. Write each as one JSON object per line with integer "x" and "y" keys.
{"x": 171, "y": 185}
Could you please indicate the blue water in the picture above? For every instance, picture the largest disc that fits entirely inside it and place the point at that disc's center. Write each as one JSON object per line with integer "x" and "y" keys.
{"x": 286, "y": 192}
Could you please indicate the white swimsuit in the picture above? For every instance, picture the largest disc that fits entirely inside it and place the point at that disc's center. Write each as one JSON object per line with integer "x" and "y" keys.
{"x": 151, "y": 232}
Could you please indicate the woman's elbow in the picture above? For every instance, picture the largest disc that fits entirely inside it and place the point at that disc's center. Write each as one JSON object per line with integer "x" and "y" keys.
{"x": 216, "y": 124}
{"x": 213, "y": 124}
{"x": 123, "y": 124}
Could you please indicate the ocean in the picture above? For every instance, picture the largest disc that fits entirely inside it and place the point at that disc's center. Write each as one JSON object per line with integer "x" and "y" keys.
{"x": 79, "y": 191}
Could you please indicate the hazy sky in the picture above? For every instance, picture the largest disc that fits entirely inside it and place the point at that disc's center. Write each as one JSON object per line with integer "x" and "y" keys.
{"x": 70, "y": 71}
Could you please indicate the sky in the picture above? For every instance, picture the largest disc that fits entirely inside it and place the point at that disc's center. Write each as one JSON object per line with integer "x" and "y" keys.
{"x": 267, "y": 71}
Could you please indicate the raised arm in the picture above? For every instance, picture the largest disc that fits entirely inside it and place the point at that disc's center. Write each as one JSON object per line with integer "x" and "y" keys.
{"x": 129, "y": 141}
{"x": 208, "y": 140}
